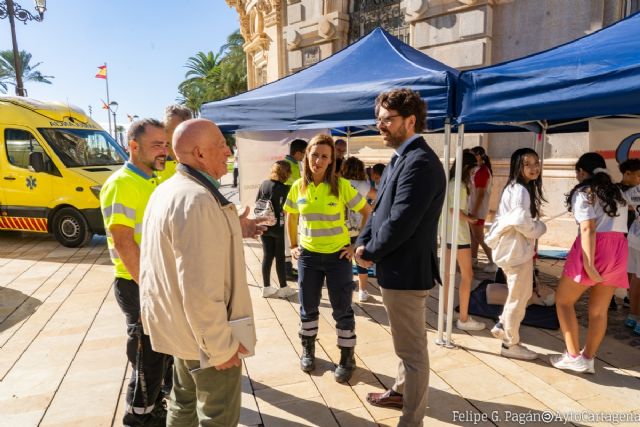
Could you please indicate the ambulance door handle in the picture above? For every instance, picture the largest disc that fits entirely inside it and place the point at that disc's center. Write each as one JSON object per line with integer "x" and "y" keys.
{"x": 10, "y": 178}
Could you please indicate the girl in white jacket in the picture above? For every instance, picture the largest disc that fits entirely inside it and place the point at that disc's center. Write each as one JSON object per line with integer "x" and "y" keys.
{"x": 512, "y": 237}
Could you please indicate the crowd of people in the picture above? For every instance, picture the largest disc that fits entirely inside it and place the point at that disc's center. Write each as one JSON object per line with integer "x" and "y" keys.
{"x": 180, "y": 273}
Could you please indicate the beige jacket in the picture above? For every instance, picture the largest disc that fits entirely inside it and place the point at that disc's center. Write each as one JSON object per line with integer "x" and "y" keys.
{"x": 192, "y": 270}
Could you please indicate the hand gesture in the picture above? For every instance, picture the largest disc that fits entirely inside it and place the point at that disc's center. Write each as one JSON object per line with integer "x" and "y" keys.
{"x": 347, "y": 252}
{"x": 361, "y": 262}
{"x": 251, "y": 227}
{"x": 295, "y": 252}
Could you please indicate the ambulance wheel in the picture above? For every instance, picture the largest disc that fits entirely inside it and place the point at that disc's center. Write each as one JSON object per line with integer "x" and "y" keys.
{"x": 70, "y": 228}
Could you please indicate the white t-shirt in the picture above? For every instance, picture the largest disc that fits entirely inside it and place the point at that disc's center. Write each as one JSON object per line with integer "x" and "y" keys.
{"x": 354, "y": 219}
{"x": 583, "y": 211}
{"x": 464, "y": 233}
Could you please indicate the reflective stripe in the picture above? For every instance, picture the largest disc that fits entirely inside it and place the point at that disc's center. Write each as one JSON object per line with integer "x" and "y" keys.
{"x": 346, "y": 333}
{"x": 322, "y": 232}
{"x": 139, "y": 410}
{"x": 345, "y": 342}
{"x": 291, "y": 204}
{"x": 113, "y": 253}
{"x": 138, "y": 229}
{"x": 119, "y": 208}
{"x": 320, "y": 217}
{"x": 354, "y": 202}
{"x": 309, "y": 333}
{"x": 309, "y": 329}
{"x": 309, "y": 325}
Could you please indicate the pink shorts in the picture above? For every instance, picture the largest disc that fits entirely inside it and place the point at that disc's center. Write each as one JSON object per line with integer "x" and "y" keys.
{"x": 611, "y": 261}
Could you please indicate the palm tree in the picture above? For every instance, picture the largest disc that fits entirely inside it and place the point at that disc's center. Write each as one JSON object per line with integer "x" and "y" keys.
{"x": 234, "y": 65}
{"x": 29, "y": 72}
{"x": 215, "y": 76}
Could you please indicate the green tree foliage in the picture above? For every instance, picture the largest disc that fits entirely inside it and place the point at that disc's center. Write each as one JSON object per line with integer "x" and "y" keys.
{"x": 29, "y": 72}
{"x": 211, "y": 77}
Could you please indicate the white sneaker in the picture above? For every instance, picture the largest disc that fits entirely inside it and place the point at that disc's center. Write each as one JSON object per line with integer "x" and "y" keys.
{"x": 269, "y": 292}
{"x": 286, "y": 292}
{"x": 498, "y": 331}
{"x": 490, "y": 268}
{"x": 363, "y": 295}
{"x": 518, "y": 351}
{"x": 470, "y": 325}
{"x": 590, "y": 364}
{"x": 566, "y": 362}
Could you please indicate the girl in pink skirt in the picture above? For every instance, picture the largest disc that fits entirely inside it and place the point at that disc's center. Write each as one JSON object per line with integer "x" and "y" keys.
{"x": 597, "y": 260}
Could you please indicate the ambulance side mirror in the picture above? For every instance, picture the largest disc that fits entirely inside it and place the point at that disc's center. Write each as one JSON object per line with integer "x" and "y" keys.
{"x": 36, "y": 161}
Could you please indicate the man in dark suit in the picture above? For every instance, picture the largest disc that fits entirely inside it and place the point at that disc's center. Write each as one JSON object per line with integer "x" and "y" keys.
{"x": 401, "y": 237}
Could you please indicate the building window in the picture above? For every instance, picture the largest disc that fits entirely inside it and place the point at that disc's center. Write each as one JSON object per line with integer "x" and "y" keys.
{"x": 365, "y": 15}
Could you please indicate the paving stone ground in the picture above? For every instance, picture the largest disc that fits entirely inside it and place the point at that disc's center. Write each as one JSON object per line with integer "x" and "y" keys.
{"x": 62, "y": 359}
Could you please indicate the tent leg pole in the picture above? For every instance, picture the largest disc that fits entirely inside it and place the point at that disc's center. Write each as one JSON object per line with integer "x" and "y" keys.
{"x": 454, "y": 234}
{"x": 443, "y": 233}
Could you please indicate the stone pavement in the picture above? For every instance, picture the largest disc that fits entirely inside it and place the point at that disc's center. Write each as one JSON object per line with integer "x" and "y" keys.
{"x": 62, "y": 359}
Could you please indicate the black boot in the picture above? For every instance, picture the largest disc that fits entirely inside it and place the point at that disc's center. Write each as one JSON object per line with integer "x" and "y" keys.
{"x": 347, "y": 365}
{"x": 308, "y": 358}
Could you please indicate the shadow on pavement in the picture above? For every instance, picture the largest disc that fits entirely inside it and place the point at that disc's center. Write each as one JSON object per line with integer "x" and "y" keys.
{"x": 15, "y": 307}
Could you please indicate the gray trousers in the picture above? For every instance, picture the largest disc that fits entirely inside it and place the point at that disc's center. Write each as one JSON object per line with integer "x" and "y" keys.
{"x": 407, "y": 319}
{"x": 204, "y": 397}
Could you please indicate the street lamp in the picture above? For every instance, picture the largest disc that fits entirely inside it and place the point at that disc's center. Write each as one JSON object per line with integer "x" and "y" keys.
{"x": 8, "y": 8}
{"x": 113, "y": 107}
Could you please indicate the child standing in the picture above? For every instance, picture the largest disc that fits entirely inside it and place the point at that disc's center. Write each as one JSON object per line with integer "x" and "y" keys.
{"x": 479, "y": 195}
{"x": 512, "y": 236}
{"x": 597, "y": 261}
{"x": 463, "y": 257}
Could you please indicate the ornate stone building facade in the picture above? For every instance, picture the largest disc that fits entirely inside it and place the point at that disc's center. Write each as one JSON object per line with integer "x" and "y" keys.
{"x": 285, "y": 36}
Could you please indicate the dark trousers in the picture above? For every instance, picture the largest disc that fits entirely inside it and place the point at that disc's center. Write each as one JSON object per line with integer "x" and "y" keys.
{"x": 235, "y": 177}
{"x": 148, "y": 366}
{"x": 313, "y": 269}
{"x": 273, "y": 247}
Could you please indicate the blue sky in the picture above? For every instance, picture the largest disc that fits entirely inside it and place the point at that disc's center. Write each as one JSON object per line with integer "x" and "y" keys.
{"x": 145, "y": 44}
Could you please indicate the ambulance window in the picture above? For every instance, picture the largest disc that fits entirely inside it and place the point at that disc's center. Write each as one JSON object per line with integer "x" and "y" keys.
{"x": 19, "y": 145}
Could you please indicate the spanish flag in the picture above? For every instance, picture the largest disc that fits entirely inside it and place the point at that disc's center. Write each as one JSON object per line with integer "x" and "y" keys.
{"x": 104, "y": 105}
{"x": 102, "y": 74}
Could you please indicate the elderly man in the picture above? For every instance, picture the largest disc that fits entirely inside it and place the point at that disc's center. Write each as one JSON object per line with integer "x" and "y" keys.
{"x": 400, "y": 237}
{"x": 193, "y": 280}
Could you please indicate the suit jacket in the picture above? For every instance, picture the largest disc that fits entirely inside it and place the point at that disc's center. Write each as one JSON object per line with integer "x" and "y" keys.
{"x": 401, "y": 234}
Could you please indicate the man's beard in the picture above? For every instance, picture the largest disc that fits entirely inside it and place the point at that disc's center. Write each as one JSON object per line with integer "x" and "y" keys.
{"x": 396, "y": 139}
{"x": 153, "y": 165}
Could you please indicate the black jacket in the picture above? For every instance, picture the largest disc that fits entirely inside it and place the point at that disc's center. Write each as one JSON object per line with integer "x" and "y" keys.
{"x": 401, "y": 234}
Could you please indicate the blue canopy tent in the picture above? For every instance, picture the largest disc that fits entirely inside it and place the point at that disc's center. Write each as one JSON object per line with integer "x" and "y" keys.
{"x": 340, "y": 91}
{"x": 596, "y": 75}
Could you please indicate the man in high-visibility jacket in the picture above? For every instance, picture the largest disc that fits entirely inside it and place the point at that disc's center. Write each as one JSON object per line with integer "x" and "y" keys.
{"x": 173, "y": 116}
{"x": 295, "y": 156}
{"x": 123, "y": 199}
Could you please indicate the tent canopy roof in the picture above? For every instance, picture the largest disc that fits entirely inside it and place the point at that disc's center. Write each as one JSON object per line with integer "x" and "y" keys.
{"x": 341, "y": 89}
{"x": 596, "y": 75}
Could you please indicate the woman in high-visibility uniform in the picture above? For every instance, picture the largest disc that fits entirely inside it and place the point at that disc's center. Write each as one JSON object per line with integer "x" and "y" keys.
{"x": 318, "y": 200}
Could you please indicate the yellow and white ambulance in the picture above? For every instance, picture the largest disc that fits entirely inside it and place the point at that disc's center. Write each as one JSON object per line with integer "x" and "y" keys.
{"x": 53, "y": 162}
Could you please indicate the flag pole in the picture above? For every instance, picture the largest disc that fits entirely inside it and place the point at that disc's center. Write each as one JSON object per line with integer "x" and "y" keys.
{"x": 106, "y": 80}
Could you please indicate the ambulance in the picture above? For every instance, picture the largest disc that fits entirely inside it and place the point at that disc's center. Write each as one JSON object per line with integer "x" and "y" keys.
{"x": 53, "y": 162}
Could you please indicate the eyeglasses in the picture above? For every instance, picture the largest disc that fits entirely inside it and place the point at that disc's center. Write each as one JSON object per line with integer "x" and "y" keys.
{"x": 386, "y": 120}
